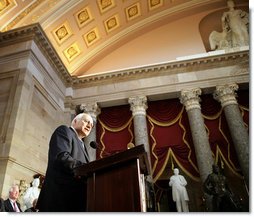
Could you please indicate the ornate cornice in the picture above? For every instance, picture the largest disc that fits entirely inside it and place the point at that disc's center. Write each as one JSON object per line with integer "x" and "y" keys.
{"x": 173, "y": 67}
{"x": 35, "y": 32}
{"x": 204, "y": 61}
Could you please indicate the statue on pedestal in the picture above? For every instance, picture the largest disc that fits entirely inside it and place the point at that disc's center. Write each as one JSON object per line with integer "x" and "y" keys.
{"x": 235, "y": 31}
{"x": 223, "y": 199}
{"x": 179, "y": 192}
{"x": 31, "y": 193}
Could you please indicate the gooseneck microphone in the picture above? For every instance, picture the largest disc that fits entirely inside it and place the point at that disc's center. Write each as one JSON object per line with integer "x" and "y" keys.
{"x": 95, "y": 145}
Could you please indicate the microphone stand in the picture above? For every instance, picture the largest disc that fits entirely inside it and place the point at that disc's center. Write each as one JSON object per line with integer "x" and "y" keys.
{"x": 96, "y": 146}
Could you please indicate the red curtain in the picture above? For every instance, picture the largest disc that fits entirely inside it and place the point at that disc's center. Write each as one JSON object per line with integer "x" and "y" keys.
{"x": 114, "y": 130}
{"x": 170, "y": 137}
{"x": 169, "y": 133}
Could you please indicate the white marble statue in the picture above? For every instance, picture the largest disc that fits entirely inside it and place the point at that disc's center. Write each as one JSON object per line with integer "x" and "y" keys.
{"x": 219, "y": 40}
{"x": 235, "y": 29}
{"x": 179, "y": 192}
{"x": 31, "y": 193}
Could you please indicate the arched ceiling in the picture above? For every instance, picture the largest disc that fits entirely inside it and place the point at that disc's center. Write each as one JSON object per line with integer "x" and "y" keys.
{"x": 83, "y": 31}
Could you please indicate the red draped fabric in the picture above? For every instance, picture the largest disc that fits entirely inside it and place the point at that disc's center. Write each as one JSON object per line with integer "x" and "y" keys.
{"x": 169, "y": 133}
{"x": 170, "y": 137}
{"x": 114, "y": 130}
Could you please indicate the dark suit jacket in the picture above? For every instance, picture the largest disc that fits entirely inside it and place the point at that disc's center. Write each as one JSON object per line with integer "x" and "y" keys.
{"x": 8, "y": 207}
{"x": 2, "y": 209}
{"x": 61, "y": 191}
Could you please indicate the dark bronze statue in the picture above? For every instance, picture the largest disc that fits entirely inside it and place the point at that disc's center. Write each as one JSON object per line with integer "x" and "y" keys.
{"x": 223, "y": 199}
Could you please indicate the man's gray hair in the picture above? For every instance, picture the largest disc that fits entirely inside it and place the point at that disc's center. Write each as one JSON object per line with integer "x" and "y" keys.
{"x": 78, "y": 117}
{"x": 12, "y": 188}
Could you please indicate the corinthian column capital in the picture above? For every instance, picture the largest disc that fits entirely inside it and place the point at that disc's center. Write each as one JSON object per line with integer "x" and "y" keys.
{"x": 92, "y": 108}
{"x": 138, "y": 105}
{"x": 225, "y": 94}
{"x": 190, "y": 98}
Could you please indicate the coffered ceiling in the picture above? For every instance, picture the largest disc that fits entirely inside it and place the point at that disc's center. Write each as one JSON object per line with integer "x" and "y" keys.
{"x": 83, "y": 31}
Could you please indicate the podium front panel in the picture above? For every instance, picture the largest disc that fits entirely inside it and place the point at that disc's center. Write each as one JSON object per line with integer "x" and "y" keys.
{"x": 115, "y": 189}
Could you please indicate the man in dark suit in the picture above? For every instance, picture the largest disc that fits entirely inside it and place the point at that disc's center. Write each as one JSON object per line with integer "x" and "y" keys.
{"x": 2, "y": 209}
{"x": 11, "y": 204}
{"x": 61, "y": 190}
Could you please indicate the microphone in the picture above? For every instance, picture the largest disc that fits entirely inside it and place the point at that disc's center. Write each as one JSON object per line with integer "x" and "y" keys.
{"x": 95, "y": 145}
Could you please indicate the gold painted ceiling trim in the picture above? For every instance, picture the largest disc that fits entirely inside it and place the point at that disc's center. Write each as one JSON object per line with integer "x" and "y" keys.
{"x": 83, "y": 17}
{"x": 105, "y": 5}
{"x": 60, "y": 9}
{"x": 135, "y": 27}
{"x": 6, "y": 6}
{"x": 23, "y": 14}
{"x": 36, "y": 33}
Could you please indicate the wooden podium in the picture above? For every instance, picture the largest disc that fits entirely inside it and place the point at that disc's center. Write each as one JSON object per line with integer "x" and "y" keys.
{"x": 116, "y": 183}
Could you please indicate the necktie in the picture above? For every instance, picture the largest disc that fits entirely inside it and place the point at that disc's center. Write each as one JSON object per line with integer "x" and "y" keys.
{"x": 82, "y": 145}
{"x": 16, "y": 209}
{"x": 85, "y": 151}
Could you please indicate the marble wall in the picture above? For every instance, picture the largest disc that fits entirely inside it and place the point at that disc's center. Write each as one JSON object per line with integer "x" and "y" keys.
{"x": 31, "y": 107}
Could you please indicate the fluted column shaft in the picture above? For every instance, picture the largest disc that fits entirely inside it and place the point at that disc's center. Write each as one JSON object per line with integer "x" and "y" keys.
{"x": 138, "y": 107}
{"x": 190, "y": 99}
{"x": 226, "y": 95}
{"x": 94, "y": 110}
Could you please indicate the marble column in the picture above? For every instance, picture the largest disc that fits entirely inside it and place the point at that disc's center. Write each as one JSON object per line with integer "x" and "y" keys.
{"x": 138, "y": 107}
{"x": 226, "y": 95}
{"x": 94, "y": 110}
{"x": 190, "y": 99}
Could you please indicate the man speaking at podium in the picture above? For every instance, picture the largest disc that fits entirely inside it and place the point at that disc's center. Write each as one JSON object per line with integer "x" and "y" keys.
{"x": 61, "y": 191}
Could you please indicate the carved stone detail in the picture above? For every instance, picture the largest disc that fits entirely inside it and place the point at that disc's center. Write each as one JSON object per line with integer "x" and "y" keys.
{"x": 92, "y": 108}
{"x": 190, "y": 98}
{"x": 225, "y": 94}
{"x": 138, "y": 105}
{"x": 35, "y": 32}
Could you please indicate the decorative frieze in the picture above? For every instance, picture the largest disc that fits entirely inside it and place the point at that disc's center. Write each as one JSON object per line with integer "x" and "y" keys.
{"x": 170, "y": 68}
{"x": 36, "y": 33}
